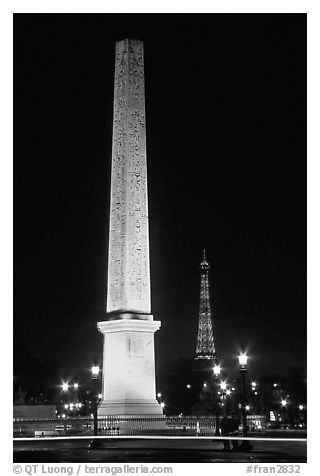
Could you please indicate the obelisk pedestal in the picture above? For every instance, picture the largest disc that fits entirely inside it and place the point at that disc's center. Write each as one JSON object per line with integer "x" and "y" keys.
{"x": 128, "y": 355}
{"x": 128, "y": 362}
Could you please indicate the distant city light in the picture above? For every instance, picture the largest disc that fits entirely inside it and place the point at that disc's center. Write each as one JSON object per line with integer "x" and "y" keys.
{"x": 223, "y": 385}
{"x": 275, "y": 384}
{"x": 256, "y": 393}
{"x": 283, "y": 402}
{"x": 228, "y": 392}
{"x": 159, "y": 395}
{"x": 253, "y": 384}
{"x": 162, "y": 405}
{"x": 233, "y": 389}
{"x": 204, "y": 384}
{"x": 300, "y": 407}
{"x": 188, "y": 386}
{"x": 66, "y": 406}
{"x": 76, "y": 386}
{"x": 71, "y": 406}
{"x": 247, "y": 407}
{"x": 80, "y": 405}
{"x": 63, "y": 415}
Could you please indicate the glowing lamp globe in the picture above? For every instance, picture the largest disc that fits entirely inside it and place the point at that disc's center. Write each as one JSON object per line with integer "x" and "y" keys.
{"x": 216, "y": 370}
{"x": 243, "y": 359}
{"x": 95, "y": 369}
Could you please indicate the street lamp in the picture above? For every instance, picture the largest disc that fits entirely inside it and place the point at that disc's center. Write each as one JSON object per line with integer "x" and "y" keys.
{"x": 216, "y": 373}
{"x": 243, "y": 359}
{"x": 64, "y": 387}
{"x": 95, "y": 370}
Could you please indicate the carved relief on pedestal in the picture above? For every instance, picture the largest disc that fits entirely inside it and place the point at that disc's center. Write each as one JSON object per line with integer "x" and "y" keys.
{"x": 128, "y": 266}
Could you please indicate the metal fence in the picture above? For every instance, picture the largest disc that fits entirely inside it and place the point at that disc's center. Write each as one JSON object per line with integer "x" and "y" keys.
{"x": 128, "y": 426}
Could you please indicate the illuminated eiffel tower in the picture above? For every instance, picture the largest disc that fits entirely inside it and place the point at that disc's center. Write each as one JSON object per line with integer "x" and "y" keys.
{"x": 205, "y": 350}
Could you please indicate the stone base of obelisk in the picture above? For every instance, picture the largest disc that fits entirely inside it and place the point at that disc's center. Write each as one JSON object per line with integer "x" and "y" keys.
{"x": 127, "y": 408}
{"x": 129, "y": 368}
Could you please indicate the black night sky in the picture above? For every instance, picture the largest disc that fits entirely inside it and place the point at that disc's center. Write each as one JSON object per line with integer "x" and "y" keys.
{"x": 226, "y": 151}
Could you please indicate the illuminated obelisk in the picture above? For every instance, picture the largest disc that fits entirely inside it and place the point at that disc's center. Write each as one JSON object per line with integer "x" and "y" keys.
{"x": 128, "y": 355}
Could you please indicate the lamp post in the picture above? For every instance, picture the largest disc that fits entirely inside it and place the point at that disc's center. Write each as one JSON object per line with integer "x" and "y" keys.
{"x": 283, "y": 411}
{"x": 243, "y": 359}
{"x": 216, "y": 373}
{"x": 95, "y": 370}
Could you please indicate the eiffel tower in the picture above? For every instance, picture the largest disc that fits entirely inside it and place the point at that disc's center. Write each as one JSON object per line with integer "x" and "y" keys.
{"x": 205, "y": 350}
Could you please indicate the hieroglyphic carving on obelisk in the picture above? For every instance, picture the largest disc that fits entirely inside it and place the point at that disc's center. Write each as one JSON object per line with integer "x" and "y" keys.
{"x": 128, "y": 353}
{"x": 128, "y": 260}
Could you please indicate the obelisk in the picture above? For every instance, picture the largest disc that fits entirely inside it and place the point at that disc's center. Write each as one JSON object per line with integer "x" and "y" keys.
{"x": 128, "y": 354}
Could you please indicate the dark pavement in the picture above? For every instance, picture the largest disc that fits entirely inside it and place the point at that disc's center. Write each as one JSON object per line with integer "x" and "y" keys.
{"x": 155, "y": 450}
